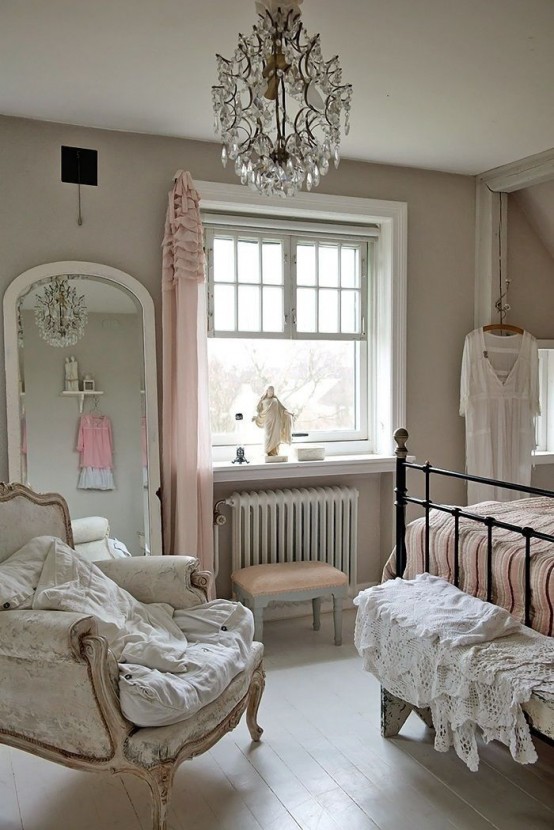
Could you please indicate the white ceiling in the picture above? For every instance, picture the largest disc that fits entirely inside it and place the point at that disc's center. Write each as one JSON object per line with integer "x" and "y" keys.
{"x": 454, "y": 85}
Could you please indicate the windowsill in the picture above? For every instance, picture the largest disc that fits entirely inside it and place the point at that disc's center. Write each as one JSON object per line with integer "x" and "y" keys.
{"x": 542, "y": 458}
{"x": 335, "y": 465}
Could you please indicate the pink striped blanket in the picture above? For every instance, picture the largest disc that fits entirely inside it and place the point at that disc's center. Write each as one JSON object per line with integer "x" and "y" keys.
{"x": 507, "y": 560}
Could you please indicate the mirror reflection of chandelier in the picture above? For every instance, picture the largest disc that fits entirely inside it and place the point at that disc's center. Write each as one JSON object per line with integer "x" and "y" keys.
{"x": 278, "y": 105}
{"x": 60, "y": 313}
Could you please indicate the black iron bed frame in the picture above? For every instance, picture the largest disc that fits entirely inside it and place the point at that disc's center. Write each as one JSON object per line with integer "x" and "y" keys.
{"x": 402, "y": 499}
{"x": 539, "y": 711}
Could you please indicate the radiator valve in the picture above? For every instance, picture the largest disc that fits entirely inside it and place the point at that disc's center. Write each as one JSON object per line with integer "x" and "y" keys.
{"x": 219, "y": 518}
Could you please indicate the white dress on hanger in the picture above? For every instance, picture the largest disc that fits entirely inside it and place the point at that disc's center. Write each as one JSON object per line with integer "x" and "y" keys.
{"x": 499, "y": 397}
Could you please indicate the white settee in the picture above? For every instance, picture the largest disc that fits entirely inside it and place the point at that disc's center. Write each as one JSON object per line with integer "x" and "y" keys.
{"x": 59, "y": 694}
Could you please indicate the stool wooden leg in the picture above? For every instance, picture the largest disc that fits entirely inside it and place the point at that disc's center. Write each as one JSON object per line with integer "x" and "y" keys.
{"x": 337, "y": 618}
{"x": 316, "y": 608}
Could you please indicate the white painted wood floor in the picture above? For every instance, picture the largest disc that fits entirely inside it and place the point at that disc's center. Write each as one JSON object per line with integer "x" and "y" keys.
{"x": 321, "y": 765}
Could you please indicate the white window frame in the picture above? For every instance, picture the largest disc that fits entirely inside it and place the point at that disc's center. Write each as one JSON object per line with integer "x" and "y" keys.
{"x": 388, "y": 335}
{"x": 290, "y": 236}
{"x": 544, "y": 423}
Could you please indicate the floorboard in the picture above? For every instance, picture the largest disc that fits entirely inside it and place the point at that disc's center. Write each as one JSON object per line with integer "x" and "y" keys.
{"x": 321, "y": 765}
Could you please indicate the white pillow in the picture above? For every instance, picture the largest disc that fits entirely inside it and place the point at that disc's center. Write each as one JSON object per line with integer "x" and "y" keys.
{"x": 89, "y": 529}
{"x": 136, "y": 632}
{"x": 20, "y": 573}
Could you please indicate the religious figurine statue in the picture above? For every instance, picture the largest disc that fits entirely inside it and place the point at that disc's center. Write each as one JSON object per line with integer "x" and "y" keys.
{"x": 71, "y": 374}
{"x": 67, "y": 373}
{"x": 275, "y": 420}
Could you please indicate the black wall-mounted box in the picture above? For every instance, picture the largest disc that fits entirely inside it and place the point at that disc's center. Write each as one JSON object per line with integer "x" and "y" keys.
{"x": 79, "y": 166}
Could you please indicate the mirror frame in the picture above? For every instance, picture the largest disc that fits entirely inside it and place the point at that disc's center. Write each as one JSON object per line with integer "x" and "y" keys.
{"x": 120, "y": 278}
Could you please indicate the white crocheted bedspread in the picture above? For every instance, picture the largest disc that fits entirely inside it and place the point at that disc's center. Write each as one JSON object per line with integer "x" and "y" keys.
{"x": 406, "y": 632}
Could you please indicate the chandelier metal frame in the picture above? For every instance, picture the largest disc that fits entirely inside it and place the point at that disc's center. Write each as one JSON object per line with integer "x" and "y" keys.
{"x": 278, "y": 104}
{"x": 60, "y": 313}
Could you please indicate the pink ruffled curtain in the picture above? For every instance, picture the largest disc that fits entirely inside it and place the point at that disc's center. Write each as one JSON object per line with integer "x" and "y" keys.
{"x": 187, "y": 479}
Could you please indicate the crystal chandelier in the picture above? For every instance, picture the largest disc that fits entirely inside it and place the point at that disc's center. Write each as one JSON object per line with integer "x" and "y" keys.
{"x": 60, "y": 313}
{"x": 278, "y": 105}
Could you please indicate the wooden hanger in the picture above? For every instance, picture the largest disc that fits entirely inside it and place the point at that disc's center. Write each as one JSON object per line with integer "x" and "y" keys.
{"x": 503, "y": 327}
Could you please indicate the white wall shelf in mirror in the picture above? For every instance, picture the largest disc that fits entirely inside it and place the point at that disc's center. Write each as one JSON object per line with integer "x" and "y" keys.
{"x": 118, "y": 348}
{"x": 81, "y": 396}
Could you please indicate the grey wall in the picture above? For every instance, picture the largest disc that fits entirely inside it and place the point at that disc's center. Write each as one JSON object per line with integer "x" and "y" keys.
{"x": 123, "y": 226}
{"x": 531, "y": 274}
{"x": 110, "y": 351}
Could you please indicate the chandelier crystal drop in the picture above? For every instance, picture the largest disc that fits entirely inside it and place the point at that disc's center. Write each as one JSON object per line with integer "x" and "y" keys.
{"x": 60, "y": 313}
{"x": 278, "y": 105}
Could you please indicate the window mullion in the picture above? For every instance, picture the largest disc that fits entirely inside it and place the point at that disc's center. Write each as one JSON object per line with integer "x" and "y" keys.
{"x": 236, "y": 278}
{"x": 364, "y": 290}
{"x": 260, "y": 271}
{"x": 339, "y": 304}
{"x": 289, "y": 286}
{"x": 210, "y": 281}
{"x": 316, "y": 254}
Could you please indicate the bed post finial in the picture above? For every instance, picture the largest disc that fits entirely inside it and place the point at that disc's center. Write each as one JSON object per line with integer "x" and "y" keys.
{"x": 401, "y": 437}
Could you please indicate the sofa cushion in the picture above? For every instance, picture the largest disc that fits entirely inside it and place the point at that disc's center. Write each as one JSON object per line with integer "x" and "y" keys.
{"x": 286, "y": 577}
{"x": 160, "y": 744}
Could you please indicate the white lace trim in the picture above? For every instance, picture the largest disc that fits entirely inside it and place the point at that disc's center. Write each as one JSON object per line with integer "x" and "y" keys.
{"x": 471, "y": 690}
{"x": 96, "y": 478}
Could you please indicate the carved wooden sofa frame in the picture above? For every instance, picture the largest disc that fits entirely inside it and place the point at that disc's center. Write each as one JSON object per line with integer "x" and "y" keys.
{"x": 59, "y": 696}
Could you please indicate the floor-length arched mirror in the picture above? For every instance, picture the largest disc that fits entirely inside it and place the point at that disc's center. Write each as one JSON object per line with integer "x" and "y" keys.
{"x": 81, "y": 395}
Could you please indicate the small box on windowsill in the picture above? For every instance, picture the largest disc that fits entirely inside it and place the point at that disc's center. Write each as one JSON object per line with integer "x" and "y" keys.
{"x": 310, "y": 453}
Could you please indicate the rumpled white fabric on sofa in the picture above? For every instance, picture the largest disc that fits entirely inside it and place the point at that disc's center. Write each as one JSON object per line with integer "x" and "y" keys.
{"x": 136, "y": 633}
{"x": 20, "y": 573}
{"x": 172, "y": 663}
{"x": 219, "y": 635}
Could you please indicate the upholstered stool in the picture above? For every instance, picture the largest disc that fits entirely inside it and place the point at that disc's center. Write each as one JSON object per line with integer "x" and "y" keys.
{"x": 259, "y": 585}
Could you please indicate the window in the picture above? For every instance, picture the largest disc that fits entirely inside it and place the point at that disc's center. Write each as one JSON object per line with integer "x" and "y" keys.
{"x": 290, "y": 308}
{"x": 383, "y": 226}
{"x": 544, "y": 424}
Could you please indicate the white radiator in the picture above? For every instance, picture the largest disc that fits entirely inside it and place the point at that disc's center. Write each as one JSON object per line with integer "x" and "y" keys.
{"x": 304, "y": 524}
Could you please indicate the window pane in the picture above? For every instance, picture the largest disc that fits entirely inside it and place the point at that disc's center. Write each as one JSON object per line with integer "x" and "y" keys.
{"x": 272, "y": 263}
{"x": 249, "y": 308}
{"x": 328, "y": 310}
{"x": 305, "y": 264}
{"x": 273, "y": 309}
{"x": 248, "y": 266}
{"x": 349, "y": 271}
{"x": 349, "y": 312}
{"x": 306, "y": 309}
{"x": 316, "y": 380}
{"x": 224, "y": 308}
{"x": 328, "y": 265}
{"x": 224, "y": 260}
